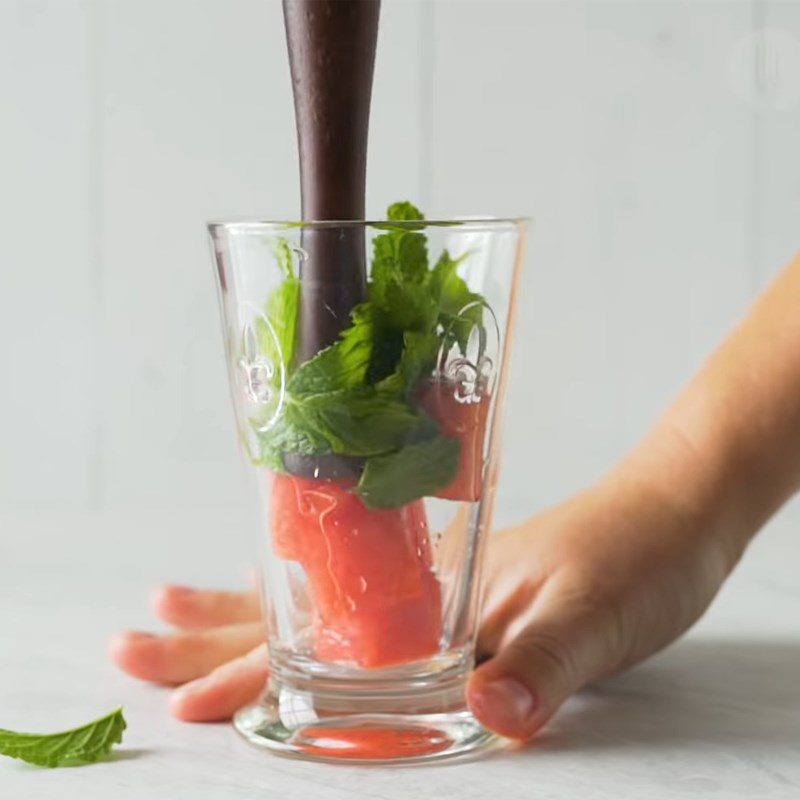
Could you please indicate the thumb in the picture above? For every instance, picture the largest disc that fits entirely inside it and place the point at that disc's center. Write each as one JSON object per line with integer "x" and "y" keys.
{"x": 568, "y": 643}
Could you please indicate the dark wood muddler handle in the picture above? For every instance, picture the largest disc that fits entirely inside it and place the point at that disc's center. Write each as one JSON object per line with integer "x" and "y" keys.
{"x": 332, "y": 56}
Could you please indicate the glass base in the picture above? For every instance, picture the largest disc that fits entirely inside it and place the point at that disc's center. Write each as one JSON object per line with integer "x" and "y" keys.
{"x": 377, "y": 729}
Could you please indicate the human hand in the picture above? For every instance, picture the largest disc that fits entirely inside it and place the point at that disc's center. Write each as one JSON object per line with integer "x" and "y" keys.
{"x": 574, "y": 594}
{"x": 590, "y": 587}
{"x": 585, "y": 590}
{"x": 216, "y": 659}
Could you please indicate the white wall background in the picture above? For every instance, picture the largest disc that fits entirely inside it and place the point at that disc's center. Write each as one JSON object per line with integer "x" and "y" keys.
{"x": 655, "y": 143}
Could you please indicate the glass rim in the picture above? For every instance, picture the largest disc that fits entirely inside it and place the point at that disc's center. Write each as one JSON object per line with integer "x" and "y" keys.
{"x": 245, "y": 224}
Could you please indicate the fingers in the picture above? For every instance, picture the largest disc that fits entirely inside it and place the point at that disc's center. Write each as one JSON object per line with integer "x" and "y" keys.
{"x": 567, "y": 642}
{"x": 180, "y": 657}
{"x": 185, "y": 607}
{"x": 218, "y": 695}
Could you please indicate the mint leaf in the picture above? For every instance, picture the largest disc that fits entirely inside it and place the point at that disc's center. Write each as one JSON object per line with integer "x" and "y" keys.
{"x": 404, "y": 210}
{"x": 344, "y": 364}
{"x": 399, "y": 255}
{"x": 282, "y": 251}
{"x": 281, "y": 311}
{"x": 445, "y": 281}
{"x": 85, "y": 744}
{"x": 290, "y": 434}
{"x": 360, "y": 422}
{"x": 416, "y": 470}
{"x": 387, "y": 348}
{"x": 405, "y": 305}
{"x": 419, "y": 357}
{"x": 460, "y": 310}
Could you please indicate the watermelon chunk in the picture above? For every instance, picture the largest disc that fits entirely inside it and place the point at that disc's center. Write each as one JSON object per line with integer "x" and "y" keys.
{"x": 370, "y": 572}
{"x": 466, "y": 421}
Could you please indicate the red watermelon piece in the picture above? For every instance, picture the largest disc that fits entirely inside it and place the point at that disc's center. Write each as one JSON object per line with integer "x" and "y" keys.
{"x": 465, "y": 421}
{"x": 370, "y": 572}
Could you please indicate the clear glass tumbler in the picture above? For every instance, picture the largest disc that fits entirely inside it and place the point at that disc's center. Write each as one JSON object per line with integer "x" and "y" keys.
{"x": 370, "y": 406}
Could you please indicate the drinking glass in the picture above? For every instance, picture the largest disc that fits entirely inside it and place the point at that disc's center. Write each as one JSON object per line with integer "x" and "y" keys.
{"x": 376, "y": 456}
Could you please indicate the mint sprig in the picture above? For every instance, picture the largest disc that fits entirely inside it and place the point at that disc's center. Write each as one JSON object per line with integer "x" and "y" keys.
{"x": 79, "y": 745}
{"x": 357, "y": 396}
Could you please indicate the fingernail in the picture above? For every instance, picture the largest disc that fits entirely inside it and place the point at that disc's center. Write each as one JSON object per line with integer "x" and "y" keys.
{"x": 126, "y": 649}
{"x": 139, "y": 636}
{"x": 505, "y": 705}
{"x": 189, "y": 688}
{"x": 185, "y": 591}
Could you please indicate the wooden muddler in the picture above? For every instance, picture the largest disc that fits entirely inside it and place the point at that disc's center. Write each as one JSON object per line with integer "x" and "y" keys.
{"x": 331, "y": 55}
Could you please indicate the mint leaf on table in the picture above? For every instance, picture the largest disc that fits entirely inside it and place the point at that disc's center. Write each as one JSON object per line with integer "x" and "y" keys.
{"x": 417, "y": 470}
{"x": 85, "y": 744}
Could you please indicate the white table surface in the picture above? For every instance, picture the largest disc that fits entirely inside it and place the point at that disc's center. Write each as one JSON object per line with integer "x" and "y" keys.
{"x": 715, "y": 716}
